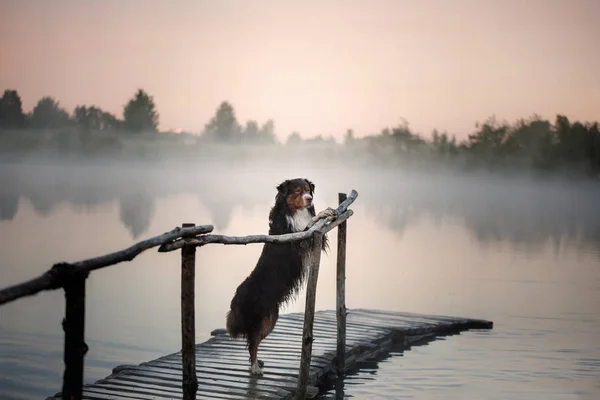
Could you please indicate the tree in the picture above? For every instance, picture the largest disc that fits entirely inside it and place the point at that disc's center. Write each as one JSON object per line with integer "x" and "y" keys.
{"x": 594, "y": 133}
{"x": 488, "y": 140}
{"x": 452, "y": 146}
{"x": 47, "y": 113}
{"x": 266, "y": 134}
{"x": 435, "y": 138}
{"x": 140, "y": 113}
{"x": 93, "y": 118}
{"x": 263, "y": 135}
{"x": 294, "y": 139}
{"x": 531, "y": 140}
{"x": 251, "y": 131}
{"x": 109, "y": 121}
{"x": 88, "y": 118}
{"x": 11, "y": 110}
{"x": 349, "y": 137}
{"x": 223, "y": 127}
{"x": 403, "y": 138}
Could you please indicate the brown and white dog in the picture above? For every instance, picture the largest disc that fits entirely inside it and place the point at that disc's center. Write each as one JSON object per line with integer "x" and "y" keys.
{"x": 280, "y": 271}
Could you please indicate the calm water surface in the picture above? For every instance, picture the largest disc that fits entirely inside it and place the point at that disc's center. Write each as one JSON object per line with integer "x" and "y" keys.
{"x": 521, "y": 253}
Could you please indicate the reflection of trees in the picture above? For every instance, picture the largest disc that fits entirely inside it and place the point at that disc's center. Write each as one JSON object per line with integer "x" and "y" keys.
{"x": 398, "y": 217}
{"x": 82, "y": 188}
{"x": 493, "y": 209}
{"x": 44, "y": 202}
{"x": 220, "y": 199}
{"x": 136, "y": 210}
{"x": 522, "y": 215}
{"x": 9, "y": 204}
{"x": 45, "y": 192}
{"x": 221, "y": 202}
{"x": 220, "y": 211}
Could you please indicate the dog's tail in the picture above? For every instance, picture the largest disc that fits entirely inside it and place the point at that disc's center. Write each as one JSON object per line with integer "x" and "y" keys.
{"x": 235, "y": 323}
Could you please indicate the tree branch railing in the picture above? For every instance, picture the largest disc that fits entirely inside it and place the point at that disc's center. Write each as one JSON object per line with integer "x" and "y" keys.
{"x": 71, "y": 278}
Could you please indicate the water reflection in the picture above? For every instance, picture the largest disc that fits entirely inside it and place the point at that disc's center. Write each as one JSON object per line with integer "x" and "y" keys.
{"x": 364, "y": 371}
{"x": 9, "y": 204}
{"x": 136, "y": 210}
{"x": 525, "y": 214}
{"x": 527, "y": 217}
{"x": 220, "y": 208}
{"x": 544, "y": 305}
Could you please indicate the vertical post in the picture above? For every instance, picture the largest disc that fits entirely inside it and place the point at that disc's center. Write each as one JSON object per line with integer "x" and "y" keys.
{"x": 339, "y": 389}
{"x": 74, "y": 327}
{"x": 309, "y": 316}
{"x": 188, "y": 321}
{"x": 341, "y": 294}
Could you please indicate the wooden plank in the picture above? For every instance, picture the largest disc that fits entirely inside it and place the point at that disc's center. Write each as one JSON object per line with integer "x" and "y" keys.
{"x": 231, "y": 393}
{"x": 222, "y": 366}
{"x": 239, "y": 364}
{"x": 294, "y": 322}
{"x": 476, "y": 323}
{"x": 290, "y": 348}
{"x": 269, "y": 347}
{"x": 233, "y": 367}
{"x": 210, "y": 373}
{"x": 150, "y": 378}
{"x": 319, "y": 329}
{"x": 215, "y": 386}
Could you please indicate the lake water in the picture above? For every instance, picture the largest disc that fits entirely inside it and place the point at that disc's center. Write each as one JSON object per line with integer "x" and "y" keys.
{"x": 522, "y": 253}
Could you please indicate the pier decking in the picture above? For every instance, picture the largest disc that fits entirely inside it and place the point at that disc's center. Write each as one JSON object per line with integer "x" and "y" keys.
{"x": 222, "y": 363}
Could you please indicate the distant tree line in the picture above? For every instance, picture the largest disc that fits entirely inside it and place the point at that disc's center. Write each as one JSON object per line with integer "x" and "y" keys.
{"x": 139, "y": 114}
{"x": 532, "y": 142}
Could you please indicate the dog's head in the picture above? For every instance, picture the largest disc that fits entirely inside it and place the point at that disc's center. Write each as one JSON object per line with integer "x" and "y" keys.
{"x": 296, "y": 193}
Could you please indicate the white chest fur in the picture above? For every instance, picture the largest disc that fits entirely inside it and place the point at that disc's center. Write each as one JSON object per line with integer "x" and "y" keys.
{"x": 300, "y": 220}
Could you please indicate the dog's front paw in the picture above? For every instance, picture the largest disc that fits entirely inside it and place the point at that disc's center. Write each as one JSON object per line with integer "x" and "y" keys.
{"x": 327, "y": 213}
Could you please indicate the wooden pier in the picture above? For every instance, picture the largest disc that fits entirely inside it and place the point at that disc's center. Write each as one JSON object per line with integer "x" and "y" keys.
{"x": 222, "y": 365}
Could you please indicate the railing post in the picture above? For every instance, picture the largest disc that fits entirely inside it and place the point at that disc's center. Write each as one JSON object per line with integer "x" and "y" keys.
{"x": 341, "y": 295}
{"x": 74, "y": 328}
{"x": 188, "y": 321}
{"x": 309, "y": 316}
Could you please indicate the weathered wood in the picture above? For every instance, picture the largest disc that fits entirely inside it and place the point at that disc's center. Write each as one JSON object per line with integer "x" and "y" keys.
{"x": 323, "y": 226}
{"x": 341, "y": 294}
{"x": 309, "y": 315}
{"x": 343, "y": 206}
{"x": 48, "y": 279}
{"x": 188, "y": 321}
{"x": 74, "y": 327}
{"x": 222, "y": 363}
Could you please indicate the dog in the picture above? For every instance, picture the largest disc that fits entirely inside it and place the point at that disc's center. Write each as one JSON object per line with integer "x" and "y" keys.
{"x": 280, "y": 271}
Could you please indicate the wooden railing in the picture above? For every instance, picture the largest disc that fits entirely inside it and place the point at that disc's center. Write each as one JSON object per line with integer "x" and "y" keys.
{"x": 71, "y": 277}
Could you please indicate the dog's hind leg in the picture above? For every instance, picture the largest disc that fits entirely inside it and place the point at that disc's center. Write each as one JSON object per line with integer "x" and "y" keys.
{"x": 268, "y": 324}
{"x": 253, "y": 343}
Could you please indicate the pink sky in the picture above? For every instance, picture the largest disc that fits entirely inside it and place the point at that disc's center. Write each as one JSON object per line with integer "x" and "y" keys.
{"x": 317, "y": 67}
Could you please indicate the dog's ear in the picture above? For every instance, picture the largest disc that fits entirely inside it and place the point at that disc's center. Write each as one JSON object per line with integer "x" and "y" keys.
{"x": 312, "y": 185}
{"x": 281, "y": 188}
